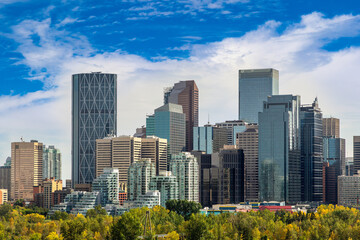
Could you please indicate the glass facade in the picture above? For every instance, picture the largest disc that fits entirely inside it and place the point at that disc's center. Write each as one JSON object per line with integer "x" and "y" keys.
{"x": 186, "y": 169}
{"x": 139, "y": 177}
{"x": 279, "y": 149}
{"x": 334, "y": 156}
{"x": 311, "y": 152}
{"x": 209, "y": 139}
{"x": 203, "y": 139}
{"x": 150, "y": 125}
{"x": 108, "y": 186}
{"x": 167, "y": 185}
{"x": 94, "y": 117}
{"x": 168, "y": 122}
{"x": 186, "y": 94}
{"x": 51, "y": 163}
{"x": 255, "y": 85}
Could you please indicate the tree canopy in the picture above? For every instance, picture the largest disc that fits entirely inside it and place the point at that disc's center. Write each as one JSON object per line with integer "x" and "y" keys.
{"x": 328, "y": 222}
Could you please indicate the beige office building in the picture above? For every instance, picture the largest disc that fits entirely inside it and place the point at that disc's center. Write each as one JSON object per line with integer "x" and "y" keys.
{"x": 248, "y": 141}
{"x": 26, "y": 168}
{"x": 156, "y": 149}
{"x": 121, "y": 152}
{"x": 50, "y": 186}
{"x": 331, "y": 127}
{"x": 117, "y": 152}
{"x": 3, "y": 196}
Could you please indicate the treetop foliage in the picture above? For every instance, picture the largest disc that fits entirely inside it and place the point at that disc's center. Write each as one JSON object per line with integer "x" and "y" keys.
{"x": 328, "y": 222}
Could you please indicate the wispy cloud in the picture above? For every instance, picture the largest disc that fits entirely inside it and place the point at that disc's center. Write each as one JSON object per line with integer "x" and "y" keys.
{"x": 8, "y": 2}
{"x": 305, "y": 68}
{"x": 66, "y": 21}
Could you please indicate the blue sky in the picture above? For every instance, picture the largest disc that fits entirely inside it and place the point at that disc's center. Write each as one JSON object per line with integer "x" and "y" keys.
{"x": 153, "y": 44}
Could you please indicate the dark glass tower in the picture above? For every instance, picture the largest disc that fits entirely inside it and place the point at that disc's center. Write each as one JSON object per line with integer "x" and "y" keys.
{"x": 334, "y": 157}
{"x": 93, "y": 117}
{"x": 311, "y": 152}
{"x": 279, "y": 149}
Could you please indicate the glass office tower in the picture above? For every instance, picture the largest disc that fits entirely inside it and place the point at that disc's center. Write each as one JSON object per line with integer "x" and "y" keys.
{"x": 334, "y": 157}
{"x": 186, "y": 94}
{"x": 93, "y": 117}
{"x": 311, "y": 152}
{"x": 209, "y": 138}
{"x": 255, "y": 85}
{"x": 168, "y": 122}
{"x": 279, "y": 149}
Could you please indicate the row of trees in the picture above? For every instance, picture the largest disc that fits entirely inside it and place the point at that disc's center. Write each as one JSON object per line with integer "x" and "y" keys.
{"x": 329, "y": 222}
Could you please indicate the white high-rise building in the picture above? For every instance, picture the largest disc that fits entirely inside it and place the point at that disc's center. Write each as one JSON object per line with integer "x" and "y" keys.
{"x": 51, "y": 163}
{"x": 139, "y": 176}
{"x": 185, "y": 167}
{"x": 108, "y": 186}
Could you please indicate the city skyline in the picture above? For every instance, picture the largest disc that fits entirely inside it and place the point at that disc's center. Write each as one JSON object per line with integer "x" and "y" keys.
{"x": 45, "y": 50}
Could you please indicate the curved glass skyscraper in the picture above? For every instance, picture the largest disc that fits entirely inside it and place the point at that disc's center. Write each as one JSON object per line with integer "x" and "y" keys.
{"x": 93, "y": 117}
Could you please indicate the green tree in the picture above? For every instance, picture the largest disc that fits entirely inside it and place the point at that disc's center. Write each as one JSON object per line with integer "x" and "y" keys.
{"x": 72, "y": 229}
{"x": 184, "y": 208}
{"x": 20, "y": 203}
{"x": 59, "y": 215}
{"x": 196, "y": 227}
{"x": 128, "y": 227}
{"x": 5, "y": 210}
{"x": 98, "y": 210}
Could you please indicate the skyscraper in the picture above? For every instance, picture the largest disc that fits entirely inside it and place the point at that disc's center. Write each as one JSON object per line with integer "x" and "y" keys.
{"x": 120, "y": 152}
{"x": 117, "y": 152}
{"x": 5, "y": 176}
{"x": 255, "y": 85}
{"x": 228, "y": 171}
{"x": 311, "y": 152}
{"x": 26, "y": 168}
{"x": 51, "y": 163}
{"x": 186, "y": 94}
{"x": 279, "y": 149}
{"x": 156, "y": 149}
{"x": 168, "y": 122}
{"x": 331, "y": 127}
{"x": 233, "y": 127}
{"x": 356, "y": 143}
{"x": 167, "y": 185}
{"x": 139, "y": 176}
{"x": 248, "y": 141}
{"x": 94, "y": 116}
{"x": 186, "y": 169}
{"x": 209, "y": 139}
{"x": 334, "y": 155}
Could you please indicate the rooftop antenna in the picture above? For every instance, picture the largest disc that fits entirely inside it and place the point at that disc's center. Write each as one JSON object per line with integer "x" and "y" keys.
{"x": 208, "y": 118}
{"x": 22, "y": 139}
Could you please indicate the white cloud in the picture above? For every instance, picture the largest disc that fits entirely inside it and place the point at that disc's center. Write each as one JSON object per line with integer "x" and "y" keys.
{"x": 8, "y": 2}
{"x": 305, "y": 69}
{"x": 66, "y": 21}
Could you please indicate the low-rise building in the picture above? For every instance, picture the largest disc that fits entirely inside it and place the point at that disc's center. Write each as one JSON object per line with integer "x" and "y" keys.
{"x": 150, "y": 199}
{"x": 87, "y": 202}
